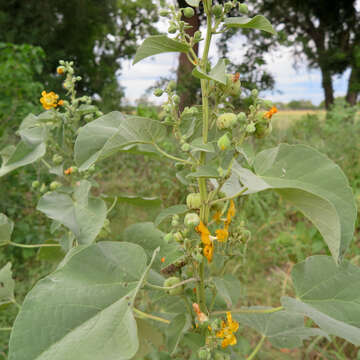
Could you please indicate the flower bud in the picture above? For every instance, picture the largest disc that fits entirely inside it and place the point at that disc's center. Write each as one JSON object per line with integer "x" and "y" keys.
{"x": 172, "y": 29}
{"x": 57, "y": 159}
{"x": 233, "y": 87}
{"x": 254, "y": 93}
{"x": 43, "y": 188}
{"x": 197, "y": 36}
{"x": 185, "y": 147}
{"x": 224, "y": 142}
{"x": 171, "y": 282}
{"x": 172, "y": 85}
{"x": 243, "y": 8}
{"x": 203, "y": 354}
{"x": 60, "y": 70}
{"x": 217, "y": 10}
{"x": 251, "y": 128}
{"x": 55, "y": 185}
{"x": 163, "y": 13}
{"x": 228, "y": 6}
{"x": 191, "y": 220}
{"x": 193, "y": 201}
{"x": 241, "y": 117}
{"x": 176, "y": 99}
{"x": 226, "y": 121}
{"x": 188, "y": 12}
{"x": 35, "y": 184}
{"x": 178, "y": 237}
{"x": 263, "y": 129}
{"x": 158, "y": 92}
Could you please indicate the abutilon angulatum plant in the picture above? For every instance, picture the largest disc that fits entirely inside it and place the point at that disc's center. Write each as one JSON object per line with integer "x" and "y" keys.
{"x": 174, "y": 295}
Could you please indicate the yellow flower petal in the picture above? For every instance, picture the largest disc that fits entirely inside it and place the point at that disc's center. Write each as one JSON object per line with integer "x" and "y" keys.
{"x": 222, "y": 234}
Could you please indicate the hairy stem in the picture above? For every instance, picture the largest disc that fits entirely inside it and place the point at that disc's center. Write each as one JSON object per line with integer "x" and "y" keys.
{"x": 249, "y": 311}
{"x": 256, "y": 350}
{"x": 33, "y": 245}
{"x": 143, "y": 315}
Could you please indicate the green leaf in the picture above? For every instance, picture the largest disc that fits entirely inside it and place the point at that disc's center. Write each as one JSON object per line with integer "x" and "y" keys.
{"x": 204, "y": 172}
{"x": 158, "y": 44}
{"x": 6, "y": 229}
{"x": 176, "y": 330}
{"x": 282, "y": 328}
{"x": 114, "y": 132}
{"x": 198, "y": 145}
{"x": 311, "y": 182}
{"x": 229, "y": 289}
{"x": 172, "y": 210}
{"x": 7, "y": 285}
{"x": 139, "y": 200}
{"x": 329, "y": 294}
{"x": 83, "y": 215}
{"x": 149, "y": 338}
{"x": 150, "y": 238}
{"x": 258, "y": 22}
{"x": 32, "y": 131}
{"x": 23, "y": 154}
{"x": 194, "y": 3}
{"x": 84, "y": 309}
{"x": 52, "y": 254}
{"x": 218, "y": 73}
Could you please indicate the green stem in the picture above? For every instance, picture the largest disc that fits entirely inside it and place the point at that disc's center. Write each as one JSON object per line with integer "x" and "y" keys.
{"x": 171, "y": 287}
{"x": 188, "y": 306}
{"x": 249, "y": 311}
{"x": 256, "y": 350}
{"x": 6, "y": 329}
{"x": 143, "y": 315}
{"x": 229, "y": 197}
{"x": 33, "y": 246}
{"x": 171, "y": 156}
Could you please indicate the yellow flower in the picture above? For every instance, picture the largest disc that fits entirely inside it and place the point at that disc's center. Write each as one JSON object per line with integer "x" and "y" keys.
{"x": 222, "y": 234}
{"x": 271, "y": 112}
{"x": 60, "y": 102}
{"x": 217, "y": 216}
{"x": 60, "y": 70}
{"x": 227, "y": 331}
{"x": 204, "y": 233}
{"x": 231, "y": 212}
{"x": 209, "y": 251}
{"x": 49, "y": 100}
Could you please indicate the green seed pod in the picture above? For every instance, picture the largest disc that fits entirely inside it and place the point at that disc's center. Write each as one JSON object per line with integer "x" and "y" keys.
{"x": 158, "y": 92}
{"x": 191, "y": 220}
{"x": 228, "y": 6}
{"x": 197, "y": 36}
{"x": 169, "y": 237}
{"x": 254, "y": 93}
{"x": 178, "y": 237}
{"x": 55, "y": 185}
{"x": 224, "y": 142}
{"x": 203, "y": 354}
{"x": 243, "y": 8}
{"x": 263, "y": 129}
{"x": 251, "y": 128}
{"x": 185, "y": 147}
{"x": 233, "y": 85}
{"x": 35, "y": 184}
{"x": 43, "y": 188}
{"x": 163, "y": 13}
{"x": 226, "y": 121}
{"x": 176, "y": 99}
{"x": 74, "y": 169}
{"x": 172, "y": 85}
{"x": 171, "y": 282}
{"x": 172, "y": 29}
{"x": 193, "y": 201}
{"x": 174, "y": 222}
{"x": 57, "y": 159}
{"x": 188, "y": 12}
{"x": 217, "y": 10}
{"x": 241, "y": 117}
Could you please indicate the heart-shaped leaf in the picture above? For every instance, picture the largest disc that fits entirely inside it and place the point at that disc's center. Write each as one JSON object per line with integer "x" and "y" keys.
{"x": 84, "y": 309}
{"x": 329, "y": 294}
{"x": 158, "y": 44}
{"x": 218, "y": 73}
{"x": 114, "y": 132}
{"x": 310, "y": 181}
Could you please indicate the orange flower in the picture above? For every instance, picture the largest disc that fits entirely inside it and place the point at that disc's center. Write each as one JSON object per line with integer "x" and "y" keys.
{"x": 204, "y": 233}
{"x": 49, "y": 100}
{"x": 200, "y": 315}
{"x": 227, "y": 331}
{"x": 271, "y": 112}
{"x": 68, "y": 171}
{"x": 231, "y": 212}
{"x": 60, "y": 70}
{"x": 208, "y": 251}
{"x": 217, "y": 216}
{"x": 61, "y": 102}
{"x": 222, "y": 234}
{"x": 162, "y": 259}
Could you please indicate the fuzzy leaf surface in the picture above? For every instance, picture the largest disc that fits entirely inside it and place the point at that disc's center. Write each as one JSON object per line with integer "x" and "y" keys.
{"x": 158, "y": 44}
{"x": 218, "y": 73}
{"x": 84, "y": 309}
{"x": 7, "y": 284}
{"x": 6, "y": 229}
{"x": 258, "y": 22}
{"x": 329, "y": 294}
{"x": 311, "y": 182}
{"x": 112, "y": 133}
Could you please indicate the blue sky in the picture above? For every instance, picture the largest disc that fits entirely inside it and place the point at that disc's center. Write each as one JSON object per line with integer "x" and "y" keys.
{"x": 290, "y": 83}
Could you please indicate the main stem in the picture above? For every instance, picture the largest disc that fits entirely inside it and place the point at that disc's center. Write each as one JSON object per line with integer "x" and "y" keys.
{"x": 204, "y": 211}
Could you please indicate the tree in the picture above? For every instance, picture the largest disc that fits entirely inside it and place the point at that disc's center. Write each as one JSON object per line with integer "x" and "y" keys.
{"x": 326, "y": 32}
{"x": 97, "y": 35}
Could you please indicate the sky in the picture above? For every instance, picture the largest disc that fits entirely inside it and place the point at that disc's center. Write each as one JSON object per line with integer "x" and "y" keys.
{"x": 290, "y": 83}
